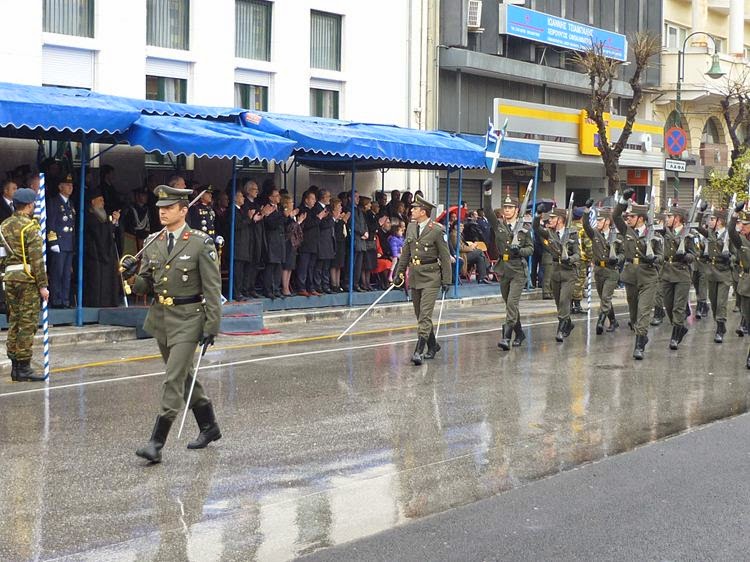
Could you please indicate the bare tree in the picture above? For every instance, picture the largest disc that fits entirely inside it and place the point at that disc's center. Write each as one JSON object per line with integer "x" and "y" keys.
{"x": 735, "y": 108}
{"x": 602, "y": 73}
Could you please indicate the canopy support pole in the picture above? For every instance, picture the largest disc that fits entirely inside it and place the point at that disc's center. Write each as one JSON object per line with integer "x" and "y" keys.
{"x": 382, "y": 180}
{"x": 294, "y": 199}
{"x": 457, "y": 270}
{"x": 102, "y": 153}
{"x": 232, "y": 219}
{"x": 351, "y": 240}
{"x": 533, "y": 213}
{"x": 81, "y": 226}
{"x": 447, "y": 199}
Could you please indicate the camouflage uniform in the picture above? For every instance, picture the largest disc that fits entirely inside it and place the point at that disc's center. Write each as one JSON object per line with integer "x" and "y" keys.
{"x": 25, "y": 275}
{"x": 581, "y": 284}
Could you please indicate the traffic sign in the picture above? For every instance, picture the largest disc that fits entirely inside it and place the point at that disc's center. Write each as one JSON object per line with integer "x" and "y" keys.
{"x": 675, "y": 165}
{"x": 675, "y": 141}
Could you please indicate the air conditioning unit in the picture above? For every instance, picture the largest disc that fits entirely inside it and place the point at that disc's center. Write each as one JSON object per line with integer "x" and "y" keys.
{"x": 474, "y": 21}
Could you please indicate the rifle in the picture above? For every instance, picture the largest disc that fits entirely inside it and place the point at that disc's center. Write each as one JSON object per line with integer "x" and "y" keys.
{"x": 566, "y": 231}
{"x": 521, "y": 212}
{"x": 705, "y": 238}
{"x": 730, "y": 210}
{"x": 688, "y": 225}
{"x": 650, "y": 217}
{"x": 613, "y": 233}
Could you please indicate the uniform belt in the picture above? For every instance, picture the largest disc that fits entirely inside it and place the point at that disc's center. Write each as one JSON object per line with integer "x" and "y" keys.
{"x": 16, "y": 267}
{"x": 634, "y": 261}
{"x": 174, "y": 301}
{"x": 417, "y": 261}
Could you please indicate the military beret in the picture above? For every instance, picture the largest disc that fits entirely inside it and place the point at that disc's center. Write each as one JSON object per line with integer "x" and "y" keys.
{"x": 577, "y": 212}
{"x": 24, "y": 196}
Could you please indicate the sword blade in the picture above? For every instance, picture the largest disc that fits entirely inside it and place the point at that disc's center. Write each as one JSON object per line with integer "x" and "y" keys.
{"x": 440, "y": 315}
{"x": 192, "y": 386}
{"x": 369, "y": 308}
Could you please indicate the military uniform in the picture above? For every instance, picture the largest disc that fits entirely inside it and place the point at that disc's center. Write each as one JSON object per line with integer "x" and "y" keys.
{"x": 186, "y": 287}
{"x": 203, "y": 217}
{"x": 719, "y": 258}
{"x": 562, "y": 271}
{"x": 640, "y": 274}
{"x": 61, "y": 220}
{"x": 585, "y": 250}
{"x": 699, "y": 277}
{"x": 742, "y": 245}
{"x": 25, "y": 275}
{"x": 607, "y": 258}
{"x": 425, "y": 253}
{"x": 676, "y": 275}
{"x": 511, "y": 267}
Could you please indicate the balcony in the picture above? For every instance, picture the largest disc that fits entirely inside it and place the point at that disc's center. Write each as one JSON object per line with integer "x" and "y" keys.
{"x": 719, "y": 6}
{"x": 696, "y": 84}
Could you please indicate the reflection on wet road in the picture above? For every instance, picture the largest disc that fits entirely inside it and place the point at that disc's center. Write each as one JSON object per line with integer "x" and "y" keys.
{"x": 327, "y": 443}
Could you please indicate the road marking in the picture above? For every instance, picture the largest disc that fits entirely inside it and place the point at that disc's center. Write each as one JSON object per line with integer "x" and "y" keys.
{"x": 263, "y": 359}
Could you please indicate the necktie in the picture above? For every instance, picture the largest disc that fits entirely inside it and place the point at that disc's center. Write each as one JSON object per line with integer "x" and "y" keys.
{"x": 12, "y": 207}
{"x": 170, "y": 244}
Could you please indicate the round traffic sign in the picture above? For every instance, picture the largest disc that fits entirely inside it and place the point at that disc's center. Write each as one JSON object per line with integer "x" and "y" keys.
{"x": 675, "y": 141}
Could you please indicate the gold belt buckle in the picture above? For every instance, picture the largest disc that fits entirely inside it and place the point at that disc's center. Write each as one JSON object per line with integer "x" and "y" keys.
{"x": 166, "y": 301}
{"x": 602, "y": 264}
{"x": 416, "y": 261}
{"x": 506, "y": 257}
{"x": 636, "y": 261}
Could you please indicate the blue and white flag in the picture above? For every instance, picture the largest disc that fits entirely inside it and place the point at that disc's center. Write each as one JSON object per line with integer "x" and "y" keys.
{"x": 493, "y": 142}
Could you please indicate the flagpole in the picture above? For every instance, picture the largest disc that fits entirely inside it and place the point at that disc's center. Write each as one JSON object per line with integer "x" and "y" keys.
{"x": 40, "y": 212}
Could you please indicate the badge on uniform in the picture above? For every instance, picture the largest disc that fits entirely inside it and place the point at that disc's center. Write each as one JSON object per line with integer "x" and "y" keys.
{"x": 184, "y": 277}
{"x": 184, "y": 257}
{"x": 212, "y": 254}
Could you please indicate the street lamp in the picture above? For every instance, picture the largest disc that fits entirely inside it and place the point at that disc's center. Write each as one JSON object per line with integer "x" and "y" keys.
{"x": 714, "y": 72}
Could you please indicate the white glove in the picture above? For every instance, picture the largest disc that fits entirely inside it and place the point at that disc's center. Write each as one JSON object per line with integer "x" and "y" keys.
{"x": 55, "y": 249}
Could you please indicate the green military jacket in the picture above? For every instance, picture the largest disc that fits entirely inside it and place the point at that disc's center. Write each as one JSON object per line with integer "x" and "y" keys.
{"x": 507, "y": 264}
{"x": 552, "y": 244}
{"x": 742, "y": 245}
{"x": 676, "y": 270}
{"x": 720, "y": 267}
{"x": 634, "y": 250}
{"x": 190, "y": 270}
{"x": 24, "y": 262}
{"x": 427, "y": 257}
{"x": 601, "y": 249}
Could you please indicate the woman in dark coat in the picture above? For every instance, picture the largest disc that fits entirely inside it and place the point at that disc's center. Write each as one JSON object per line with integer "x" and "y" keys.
{"x": 340, "y": 239}
{"x": 101, "y": 282}
{"x": 273, "y": 222}
{"x": 292, "y": 239}
{"x": 257, "y": 236}
{"x": 371, "y": 254}
{"x": 241, "y": 247}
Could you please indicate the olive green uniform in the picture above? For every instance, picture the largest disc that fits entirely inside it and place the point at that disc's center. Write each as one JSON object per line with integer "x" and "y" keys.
{"x": 718, "y": 271}
{"x": 426, "y": 255}
{"x": 742, "y": 246}
{"x": 186, "y": 286}
{"x": 676, "y": 275}
{"x": 606, "y": 261}
{"x": 562, "y": 275}
{"x": 25, "y": 275}
{"x": 511, "y": 268}
{"x": 640, "y": 278}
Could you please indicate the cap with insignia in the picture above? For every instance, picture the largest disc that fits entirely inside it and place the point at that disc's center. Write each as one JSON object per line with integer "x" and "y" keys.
{"x": 638, "y": 210}
{"x": 209, "y": 189}
{"x": 166, "y": 196}
{"x": 24, "y": 196}
{"x": 67, "y": 179}
{"x": 603, "y": 213}
{"x": 742, "y": 216}
{"x": 510, "y": 200}
{"x": 679, "y": 211}
{"x": 422, "y": 203}
{"x": 558, "y": 212}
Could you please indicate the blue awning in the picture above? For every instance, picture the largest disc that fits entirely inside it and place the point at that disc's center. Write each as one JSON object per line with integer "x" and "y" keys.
{"x": 330, "y": 143}
{"x": 154, "y": 107}
{"x": 183, "y": 135}
{"x": 511, "y": 151}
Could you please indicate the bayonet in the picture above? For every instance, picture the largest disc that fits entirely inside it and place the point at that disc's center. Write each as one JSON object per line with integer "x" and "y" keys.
{"x": 568, "y": 225}
{"x": 689, "y": 223}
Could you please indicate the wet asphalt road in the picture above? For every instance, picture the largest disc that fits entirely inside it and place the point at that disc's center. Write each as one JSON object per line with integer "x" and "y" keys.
{"x": 329, "y": 442}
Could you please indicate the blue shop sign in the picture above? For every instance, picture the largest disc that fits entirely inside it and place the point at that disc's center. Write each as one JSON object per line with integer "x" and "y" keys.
{"x": 544, "y": 28}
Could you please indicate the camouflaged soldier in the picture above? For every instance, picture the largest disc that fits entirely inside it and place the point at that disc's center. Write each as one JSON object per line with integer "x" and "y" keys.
{"x": 563, "y": 270}
{"x": 180, "y": 269}
{"x": 641, "y": 272}
{"x": 741, "y": 242}
{"x": 676, "y": 273}
{"x": 718, "y": 256}
{"x": 25, "y": 282}
{"x": 425, "y": 253}
{"x": 581, "y": 284}
{"x": 511, "y": 267}
{"x": 606, "y": 251}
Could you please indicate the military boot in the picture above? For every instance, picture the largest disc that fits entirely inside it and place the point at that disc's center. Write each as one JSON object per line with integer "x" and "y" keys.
{"x": 640, "y": 346}
{"x": 209, "y": 429}
{"x": 742, "y": 328}
{"x": 576, "y": 307}
{"x": 24, "y": 372}
{"x": 613, "y": 323}
{"x": 13, "y": 369}
{"x": 418, "y": 357}
{"x": 152, "y": 451}
{"x": 520, "y": 336}
{"x": 674, "y": 341}
{"x": 658, "y": 316}
{"x": 560, "y": 335}
{"x": 568, "y": 327}
{"x": 747, "y": 363}
{"x": 721, "y": 329}
{"x": 505, "y": 341}
{"x": 600, "y": 323}
{"x": 432, "y": 346}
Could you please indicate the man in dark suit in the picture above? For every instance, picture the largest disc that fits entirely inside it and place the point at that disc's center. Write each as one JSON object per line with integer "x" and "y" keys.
{"x": 61, "y": 219}
{"x": 6, "y": 203}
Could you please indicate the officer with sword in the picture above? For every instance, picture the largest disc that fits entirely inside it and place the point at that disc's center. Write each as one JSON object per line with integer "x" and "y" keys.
{"x": 180, "y": 269}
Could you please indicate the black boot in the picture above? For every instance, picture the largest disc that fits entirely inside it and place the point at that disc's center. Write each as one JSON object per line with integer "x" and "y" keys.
{"x": 13, "y": 369}
{"x": 721, "y": 329}
{"x": 698, "y": 310}
{"x": 432, "y": 347}
{"x": 24, "y": 372}
{"x": 747, "y": 363}
{"x": 613, "y": 323}
{"x": 520, "y": 336}
{"x": 418, "y": 357}
{"x": 560, "y": 336}
{"x": 505, "y": 341}
{"x": 152, "y": 451}
{"x": 658, "y": 316}
{"x": 600, "y": 323}
{"x": 674, "y": 341}
{"x": 740, "y": 331}
{"x": 209, "y": 429}
{"x": 576, "y": 307}
{"x": 568, "y": 327}
{"x": 640, "y": 346}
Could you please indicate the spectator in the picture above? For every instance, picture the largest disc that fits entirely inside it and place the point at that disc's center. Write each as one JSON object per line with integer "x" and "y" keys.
{"x": 223, "y": 218}
{"x": 360, "y": 233}
{"x": 101, "y": 277}
{"x": 472, "y": 232}
{"x": 326, "y": 244}
{"x": 484, "y": 226}
{"x": 340, "y": 218}
{"x": 257, "y": 236}
{"x": 273, "y": 222}
{"x": 383, "y": 250}
{"x": 293, "y": 239}
{"x": 177, "y": 181}
{"x": 241, "y": 247}
{"x": 406, "y": 199}
{"x": 308, "y": 251}
{"x": 112, "y": 199}
{"x": 470, "y": 256}
{"x": 136, "y": 222}
{"x": 396, "y": 243}
{"x": 6, "y": 204}
{"x": 370, "y": 261}
{"x": 61, "y": 219}
{"x": 382, "y": 201}
{"x": 392, "y": 207}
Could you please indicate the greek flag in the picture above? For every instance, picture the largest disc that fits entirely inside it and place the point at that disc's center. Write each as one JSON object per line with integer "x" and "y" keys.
{"x": 492, "y": 147}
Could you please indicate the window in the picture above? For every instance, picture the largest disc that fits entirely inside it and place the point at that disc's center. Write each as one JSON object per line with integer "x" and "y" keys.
{"x": 721, "y": 44}
{"x": 166, "y": 89}
{"x": 252, "y": 29}
{"x": 325, "y": 41}
{"x": 674, "y": 36}
{"x": 69, "y": 17}
{"x": 249, "y": 96}
{"x": 324, "y": 103}
{"x": 167, "y": 23}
